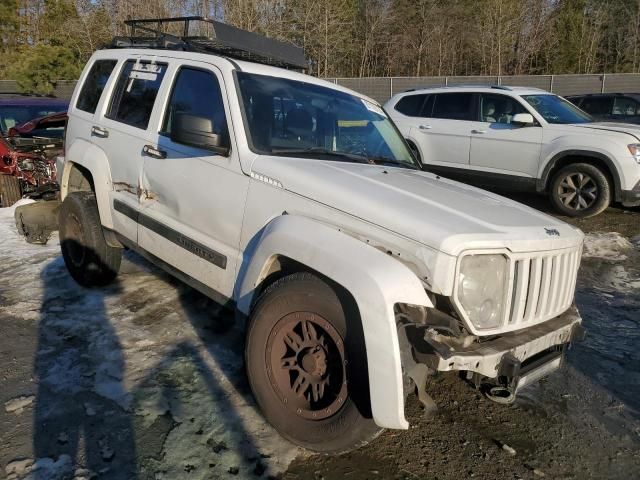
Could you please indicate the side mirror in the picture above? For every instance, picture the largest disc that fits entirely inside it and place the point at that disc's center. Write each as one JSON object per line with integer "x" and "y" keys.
{"x": 197, "y": 132}
{"x": 523, "y": 119}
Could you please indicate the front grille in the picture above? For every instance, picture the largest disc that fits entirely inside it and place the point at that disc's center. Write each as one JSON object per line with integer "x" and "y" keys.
{"x": 543, "y": 286}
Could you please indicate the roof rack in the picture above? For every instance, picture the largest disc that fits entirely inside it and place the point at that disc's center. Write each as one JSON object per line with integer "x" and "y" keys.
{"x": 200, "y": 34}
{"x": 467, "y": 85}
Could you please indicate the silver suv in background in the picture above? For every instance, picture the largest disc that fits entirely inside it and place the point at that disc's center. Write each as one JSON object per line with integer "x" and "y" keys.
{"x": 523, "y": 139}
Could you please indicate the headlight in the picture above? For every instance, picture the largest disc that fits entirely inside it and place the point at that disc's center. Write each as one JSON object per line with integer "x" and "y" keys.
{"x": 634, "y": 148}
{"x": 482, "y": 288}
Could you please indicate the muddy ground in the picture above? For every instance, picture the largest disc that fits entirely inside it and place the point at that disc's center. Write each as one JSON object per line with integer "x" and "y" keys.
{"x": 144, "y": 379}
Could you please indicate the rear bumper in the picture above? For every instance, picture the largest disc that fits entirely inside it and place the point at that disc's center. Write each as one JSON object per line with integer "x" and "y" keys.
{"x": 488, "y": 358}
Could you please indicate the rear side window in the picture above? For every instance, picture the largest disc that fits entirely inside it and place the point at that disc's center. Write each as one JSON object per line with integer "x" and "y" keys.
{"x": 626, "y": 106}
{"x": 135, "y": 93}
{"x": 411, "y": 105}
{"x": 453, "y": 106}
{"x": 597, "y": 105}
{"x": 196, "y": 92}
{"x": 94, "y": 85}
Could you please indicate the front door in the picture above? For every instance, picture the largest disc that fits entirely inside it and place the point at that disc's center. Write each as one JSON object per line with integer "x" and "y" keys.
{"x": 499, "y": 147}
{"x": 192, "y": 200}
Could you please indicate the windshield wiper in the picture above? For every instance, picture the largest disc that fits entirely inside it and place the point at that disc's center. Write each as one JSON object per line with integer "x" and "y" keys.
{"x": 372, "y": 160}
{"x": 392, "y": 161}
{"x": 323, "y": 151}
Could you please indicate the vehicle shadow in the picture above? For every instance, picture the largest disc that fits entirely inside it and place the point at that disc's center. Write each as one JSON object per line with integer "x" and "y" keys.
{"x": 80, "y": 415}
{"x": 200, "y": 385}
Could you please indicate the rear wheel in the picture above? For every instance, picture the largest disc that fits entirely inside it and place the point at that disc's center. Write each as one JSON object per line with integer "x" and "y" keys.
{"x": 88, "y": 257}
{"x": 580, "y": 190}
{"x": 307, "y": 366}
{"x": 10, "y": 191}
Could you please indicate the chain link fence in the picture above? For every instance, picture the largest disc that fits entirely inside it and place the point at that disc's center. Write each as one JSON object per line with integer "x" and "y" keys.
{"x": 382, "y": 88}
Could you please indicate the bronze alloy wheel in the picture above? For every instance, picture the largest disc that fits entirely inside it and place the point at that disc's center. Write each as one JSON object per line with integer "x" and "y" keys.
{"x": 306, "y": 365}
{"x": 578, "y": 191}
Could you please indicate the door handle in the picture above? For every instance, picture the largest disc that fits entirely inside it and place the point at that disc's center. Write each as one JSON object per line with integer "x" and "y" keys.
{"x": 478, "y": 132}
{"x": 99, "y": 132}
{"x": 425, "y": 127}
{"x": 154, "y": 152}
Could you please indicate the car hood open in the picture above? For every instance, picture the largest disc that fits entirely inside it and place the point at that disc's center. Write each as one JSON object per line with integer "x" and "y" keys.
{"x": 426, "y": 208}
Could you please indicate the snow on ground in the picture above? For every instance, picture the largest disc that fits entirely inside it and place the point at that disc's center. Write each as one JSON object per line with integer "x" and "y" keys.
{"x": 145, "y": 371}
{"x": 614, "y": 250}
{"x": 606, "y": 246}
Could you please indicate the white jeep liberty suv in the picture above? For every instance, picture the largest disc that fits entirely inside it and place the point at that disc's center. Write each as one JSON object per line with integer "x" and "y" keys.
{"x": 298, "y": 203}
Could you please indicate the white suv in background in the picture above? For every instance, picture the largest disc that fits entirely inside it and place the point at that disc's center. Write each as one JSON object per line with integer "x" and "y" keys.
{"x": 525, "y": 138}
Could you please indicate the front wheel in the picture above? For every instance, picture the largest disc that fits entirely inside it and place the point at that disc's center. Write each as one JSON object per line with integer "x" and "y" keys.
{"x": 307, "y": 365}
{"x": 580, "y": 190}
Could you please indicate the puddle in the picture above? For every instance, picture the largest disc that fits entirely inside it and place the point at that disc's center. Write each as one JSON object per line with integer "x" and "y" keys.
{"x": 608, "y": 296}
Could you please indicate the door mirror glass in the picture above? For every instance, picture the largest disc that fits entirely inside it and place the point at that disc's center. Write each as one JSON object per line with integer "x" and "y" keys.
{"x": 198, "y": 132}
{"x": 523, "y": 119}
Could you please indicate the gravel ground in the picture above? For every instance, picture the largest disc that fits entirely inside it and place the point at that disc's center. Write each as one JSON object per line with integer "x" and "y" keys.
{"x": 144, "y": 380}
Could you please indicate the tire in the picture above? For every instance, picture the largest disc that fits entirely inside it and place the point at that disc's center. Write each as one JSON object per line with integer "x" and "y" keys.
{"x": 580, "y": 190}
{"x": 90, "y": 261}
{"x": 10, "y": 191}
{"x": 325, "y": 338}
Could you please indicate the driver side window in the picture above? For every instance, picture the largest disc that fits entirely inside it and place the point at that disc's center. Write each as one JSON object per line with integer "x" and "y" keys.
{"x": 196, "y": 92}
{"x": 499, "y": 108}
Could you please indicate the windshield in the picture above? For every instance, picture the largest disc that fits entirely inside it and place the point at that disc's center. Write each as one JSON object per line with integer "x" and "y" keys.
{"x": 289, "y": 117}
{"x": 555, "y": 109}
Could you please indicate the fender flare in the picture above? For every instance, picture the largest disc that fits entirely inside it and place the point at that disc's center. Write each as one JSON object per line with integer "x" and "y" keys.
{"x": 86, "y": 154}
{"x": 375, "y": 280}
{"x": 543, "y": 180}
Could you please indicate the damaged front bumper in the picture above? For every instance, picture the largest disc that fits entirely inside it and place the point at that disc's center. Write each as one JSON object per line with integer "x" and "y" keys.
{"x": 503, "y": 364}
{"x": 489, "y": 358}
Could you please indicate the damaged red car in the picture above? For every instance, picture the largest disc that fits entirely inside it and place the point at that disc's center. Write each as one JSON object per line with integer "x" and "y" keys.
{"x": 32, "y": 131}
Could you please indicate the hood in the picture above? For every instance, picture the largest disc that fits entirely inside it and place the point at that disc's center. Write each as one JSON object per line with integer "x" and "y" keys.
{"x": 437, "y": 212}
{"x": 628, "y": 128}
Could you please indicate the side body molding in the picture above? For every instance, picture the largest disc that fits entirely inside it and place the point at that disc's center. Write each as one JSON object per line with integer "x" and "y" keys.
{"x": 375, "y": 280}
{"x": 84, "y": 153}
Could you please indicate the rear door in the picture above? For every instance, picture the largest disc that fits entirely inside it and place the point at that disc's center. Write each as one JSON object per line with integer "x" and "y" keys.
{"x": 499, "y": 147}
{"x": 124, "y": 131}
{"x": 193, "y": 199}
{"x": 443, "y": 134}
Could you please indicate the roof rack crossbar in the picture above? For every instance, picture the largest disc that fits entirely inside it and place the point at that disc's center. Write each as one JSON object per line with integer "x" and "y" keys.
{"x": 203, "y": 35}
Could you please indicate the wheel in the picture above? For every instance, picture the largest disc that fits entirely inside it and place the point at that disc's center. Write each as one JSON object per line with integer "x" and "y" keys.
{"x": 90, "y": 261}
{"x": 307, "y": 367}
{"x": 580, "y": 190}
{"x": 10, "y": 191}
